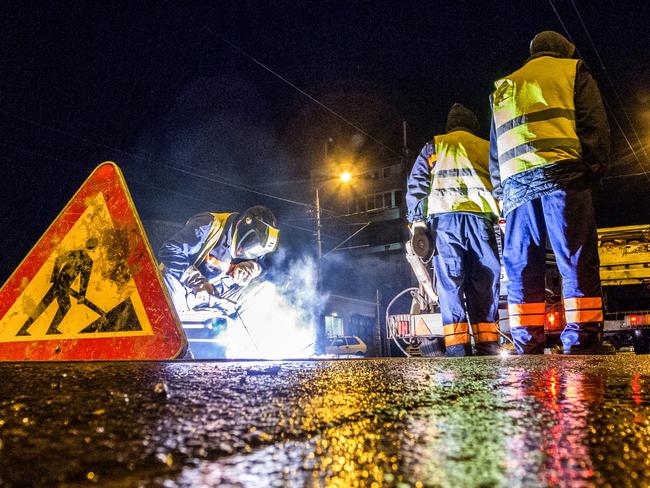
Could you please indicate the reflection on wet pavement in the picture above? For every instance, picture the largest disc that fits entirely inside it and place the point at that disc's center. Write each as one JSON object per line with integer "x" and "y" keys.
{"x": 542, "y": 421}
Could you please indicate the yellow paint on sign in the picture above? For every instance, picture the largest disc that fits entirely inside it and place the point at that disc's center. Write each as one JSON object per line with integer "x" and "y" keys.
{"x": 55, "y": 305}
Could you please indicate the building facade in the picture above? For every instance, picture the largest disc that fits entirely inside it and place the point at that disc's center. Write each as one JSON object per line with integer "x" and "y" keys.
{"x": 368, "y": 263}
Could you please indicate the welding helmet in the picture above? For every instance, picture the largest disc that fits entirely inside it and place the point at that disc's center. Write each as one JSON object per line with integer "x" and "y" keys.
{"x": 256, "y": 234}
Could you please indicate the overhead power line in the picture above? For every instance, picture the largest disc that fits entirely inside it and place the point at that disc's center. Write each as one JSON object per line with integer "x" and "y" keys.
{"x": 609, "y": 79}
{"x": 142, "y": 183}
{"x": 607, "y": 106}
{"x": 290, "y": 83}
{"x": 215, "y": 179}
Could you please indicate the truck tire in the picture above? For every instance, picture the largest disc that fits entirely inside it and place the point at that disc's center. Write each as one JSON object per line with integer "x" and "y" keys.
{"x": 641, "y": 341}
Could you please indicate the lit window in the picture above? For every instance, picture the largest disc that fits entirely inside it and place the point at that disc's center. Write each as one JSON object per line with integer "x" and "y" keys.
{"x": 333, "y": 325}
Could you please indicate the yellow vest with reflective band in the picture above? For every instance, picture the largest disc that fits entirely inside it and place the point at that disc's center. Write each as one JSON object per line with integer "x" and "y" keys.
{"x": 534, "y": 115}
{"x": 460, "y": 179}
{"x": 214, "y": 234}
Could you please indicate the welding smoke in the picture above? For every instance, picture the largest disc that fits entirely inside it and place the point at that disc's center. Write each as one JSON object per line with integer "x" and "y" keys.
{"x": 282, "y": 320}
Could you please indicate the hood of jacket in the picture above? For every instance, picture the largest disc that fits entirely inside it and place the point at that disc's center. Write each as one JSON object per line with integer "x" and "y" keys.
{"x": 551, "y": 43}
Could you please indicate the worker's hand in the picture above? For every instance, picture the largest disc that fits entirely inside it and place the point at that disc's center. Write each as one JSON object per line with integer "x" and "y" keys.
{"x": 227, "y": 307}
{"x": 420, "y": 241}
{"x": 243, "y": 273}
{"x": 193, "y": 279}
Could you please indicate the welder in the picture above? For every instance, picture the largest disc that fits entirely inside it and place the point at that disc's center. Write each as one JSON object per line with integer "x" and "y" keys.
{"x": 208, "y": 264}
{"x": 549, "y": 143}
{"x": 449, "y": 195}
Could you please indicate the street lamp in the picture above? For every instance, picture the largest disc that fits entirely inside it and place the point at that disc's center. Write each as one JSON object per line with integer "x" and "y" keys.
{"x": 344, "y": 177}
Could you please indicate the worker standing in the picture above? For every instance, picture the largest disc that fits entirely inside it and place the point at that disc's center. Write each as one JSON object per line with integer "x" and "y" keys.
{"x": 450, "y": 194}
{"x": 549, "y": 141}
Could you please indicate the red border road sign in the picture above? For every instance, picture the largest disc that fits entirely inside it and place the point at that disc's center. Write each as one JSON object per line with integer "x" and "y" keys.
{"x": 90, "y": 287}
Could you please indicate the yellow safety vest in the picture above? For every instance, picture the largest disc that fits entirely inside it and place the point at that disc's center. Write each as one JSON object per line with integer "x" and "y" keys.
{"x": 460, "y": 179}
{"x": 534, "y": 115}
{"x": 214, "y": 234}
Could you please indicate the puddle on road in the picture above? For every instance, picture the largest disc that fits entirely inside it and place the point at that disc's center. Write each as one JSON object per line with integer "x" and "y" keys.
{"x": 546, "y": 421}
{"x": 555, "y": 426}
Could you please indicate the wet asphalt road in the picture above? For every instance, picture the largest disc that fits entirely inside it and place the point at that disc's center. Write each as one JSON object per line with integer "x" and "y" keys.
{"x": 543, "y": 421}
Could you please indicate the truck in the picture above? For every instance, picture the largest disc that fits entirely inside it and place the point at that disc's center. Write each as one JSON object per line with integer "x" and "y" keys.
{"x": 625, "y": 276}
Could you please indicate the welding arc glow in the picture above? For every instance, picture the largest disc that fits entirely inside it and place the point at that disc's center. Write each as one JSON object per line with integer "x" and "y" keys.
{"x": 281, "y": 321}
{"x": 272, "y": 329}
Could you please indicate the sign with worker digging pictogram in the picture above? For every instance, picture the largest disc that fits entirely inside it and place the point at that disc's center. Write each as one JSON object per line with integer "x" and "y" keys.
{"x": 90, "y": 287}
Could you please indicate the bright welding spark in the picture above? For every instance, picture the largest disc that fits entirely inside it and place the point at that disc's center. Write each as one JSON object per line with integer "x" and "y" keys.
{"x": 346, "y": 176}
{"x": 281, "y": 321}
{"x": 504, "y": 353}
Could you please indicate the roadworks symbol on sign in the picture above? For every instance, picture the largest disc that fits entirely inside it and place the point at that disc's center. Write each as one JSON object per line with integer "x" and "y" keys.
{"x": 85, "y": 287}
{"x": 90, "y": 285}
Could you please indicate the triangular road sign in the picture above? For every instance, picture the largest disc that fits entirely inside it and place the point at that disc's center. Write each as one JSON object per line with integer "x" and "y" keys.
{"x": 90, "y": 287}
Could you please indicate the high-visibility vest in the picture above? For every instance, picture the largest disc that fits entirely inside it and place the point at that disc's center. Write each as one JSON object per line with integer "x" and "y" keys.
{"x": 534, "y": 115}
{"x": 214, "y": 234}
{"x": 460, "y": 179}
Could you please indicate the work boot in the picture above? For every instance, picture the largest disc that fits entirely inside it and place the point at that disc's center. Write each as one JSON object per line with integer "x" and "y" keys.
{"x": 487, "y": 349}
{"x": 596, "y": 349}
{"x": 458, "y": 350}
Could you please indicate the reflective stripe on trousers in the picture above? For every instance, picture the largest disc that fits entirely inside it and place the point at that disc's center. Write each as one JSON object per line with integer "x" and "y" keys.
{"x": 467, "y": 271}
{"x": 566, "y": 217}
{"x": 527, "y": 326}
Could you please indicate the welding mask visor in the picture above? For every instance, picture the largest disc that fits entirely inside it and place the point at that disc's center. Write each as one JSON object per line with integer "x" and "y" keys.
{"x": 256, "y": 234}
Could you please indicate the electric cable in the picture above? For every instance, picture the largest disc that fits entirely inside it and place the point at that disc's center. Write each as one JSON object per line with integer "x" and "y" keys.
{"x": 142, "y": 183}
{"x": 214, "y": 179}
{"x": 346, "y": 239}
{"x": 609, "y": 79}
{"x": 607, "y": 106}
{"x": 288, "y": 82}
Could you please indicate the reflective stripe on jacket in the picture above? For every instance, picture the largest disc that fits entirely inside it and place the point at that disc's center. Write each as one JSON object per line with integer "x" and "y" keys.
{"x": 214, "y": 234}
{"x": 534, "y": 116}
{"x": 460, "y": 180}
{"x": 203, "y": 234}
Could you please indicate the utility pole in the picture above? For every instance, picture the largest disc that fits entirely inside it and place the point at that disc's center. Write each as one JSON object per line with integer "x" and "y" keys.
{"x": 319, "y": 244}
{"x": 379, "y": 343}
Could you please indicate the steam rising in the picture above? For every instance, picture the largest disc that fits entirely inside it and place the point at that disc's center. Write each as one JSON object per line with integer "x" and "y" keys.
{"x": 282, "y": 317}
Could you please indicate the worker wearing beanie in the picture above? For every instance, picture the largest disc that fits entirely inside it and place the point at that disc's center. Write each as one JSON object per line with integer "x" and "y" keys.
{"x": 549, "y": 142}
{"x": 450, "y": 194}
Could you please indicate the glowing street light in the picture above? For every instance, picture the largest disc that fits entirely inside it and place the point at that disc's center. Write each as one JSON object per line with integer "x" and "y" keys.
{"x": 344, "y": 177}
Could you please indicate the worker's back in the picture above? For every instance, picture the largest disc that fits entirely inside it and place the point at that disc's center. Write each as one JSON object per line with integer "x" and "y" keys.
{"x": 534, "y": 115}
{"x": 460, "y": 176}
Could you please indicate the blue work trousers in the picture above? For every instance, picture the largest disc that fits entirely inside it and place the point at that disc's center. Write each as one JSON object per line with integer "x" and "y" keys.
{"x": 566, "y": 218}
{"x": 466, "y": 263}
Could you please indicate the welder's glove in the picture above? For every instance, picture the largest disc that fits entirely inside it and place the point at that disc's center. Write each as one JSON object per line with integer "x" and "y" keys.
{"x": 193, "y": 279}
{"x": 243, "y": 273}
{"x": 420, "y": 240}
{"x": 227, "y": 307}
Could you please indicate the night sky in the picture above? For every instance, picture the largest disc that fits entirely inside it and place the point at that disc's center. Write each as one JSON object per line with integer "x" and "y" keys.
{"x": 166, "y": 90}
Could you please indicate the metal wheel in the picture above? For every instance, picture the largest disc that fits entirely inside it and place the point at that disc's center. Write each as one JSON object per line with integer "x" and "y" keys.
{"x": 391, "y": 333}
